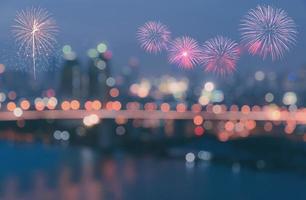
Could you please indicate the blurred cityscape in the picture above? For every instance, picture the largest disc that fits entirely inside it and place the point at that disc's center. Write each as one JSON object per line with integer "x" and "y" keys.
{"x": 94, "y": 87}
{"x": 152, "y": 100}
{"x": 233, "y": 121}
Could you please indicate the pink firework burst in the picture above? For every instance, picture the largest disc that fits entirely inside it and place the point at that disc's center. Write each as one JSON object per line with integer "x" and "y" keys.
{"x": 153, "y": 36}
{"x": 268, "y": 31}
{"x": 184, "y": 52}
{"x": 220, "y": 55}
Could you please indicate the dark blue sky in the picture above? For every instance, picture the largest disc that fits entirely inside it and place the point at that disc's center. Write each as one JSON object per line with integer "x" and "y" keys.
{"x": 84, "y": 23}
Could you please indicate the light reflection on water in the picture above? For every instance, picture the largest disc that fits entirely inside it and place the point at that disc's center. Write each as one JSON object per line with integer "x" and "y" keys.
{"x": 40, "y": 173}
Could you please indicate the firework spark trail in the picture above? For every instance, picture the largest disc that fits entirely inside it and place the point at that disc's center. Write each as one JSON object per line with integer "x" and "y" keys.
{"x": 184, "y": 52}
{"x": 153, "y": 36}
{"x": 35, "y": 33}
{"x": 220, "y": 55}
{"x": 268, "y": 31}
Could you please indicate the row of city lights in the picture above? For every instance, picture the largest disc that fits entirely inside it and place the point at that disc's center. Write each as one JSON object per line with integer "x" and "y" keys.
{"x": 41, "y": 104}
{"x": 225, "y": 129}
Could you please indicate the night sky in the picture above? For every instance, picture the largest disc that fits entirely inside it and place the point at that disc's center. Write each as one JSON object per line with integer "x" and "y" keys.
{"x": 85, "y": 23}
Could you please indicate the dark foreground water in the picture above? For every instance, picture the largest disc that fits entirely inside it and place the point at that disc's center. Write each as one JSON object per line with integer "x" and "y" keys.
{"x": 31, "y": 172}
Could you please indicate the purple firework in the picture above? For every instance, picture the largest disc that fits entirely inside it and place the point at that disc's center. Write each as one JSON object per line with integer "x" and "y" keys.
{"x": 153, "y": 36}
{"x": 268, "y": 31}
{"x": 184, "y": 52}
{"x": 220, "y": 55}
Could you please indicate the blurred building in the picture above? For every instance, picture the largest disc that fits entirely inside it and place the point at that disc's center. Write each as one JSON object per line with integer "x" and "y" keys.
{"x": 71, "y": 80}
{"x": 89, "y": 82}
{"x": 100, "y": 80}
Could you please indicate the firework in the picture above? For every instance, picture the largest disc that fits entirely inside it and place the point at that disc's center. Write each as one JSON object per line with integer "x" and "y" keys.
{"x": 184, "y": 52}
{"x": 153, "y": 36}
{"x": 268, "y": 31}
{"x": 35, "y": 33}
{"x": 220, "y": 55}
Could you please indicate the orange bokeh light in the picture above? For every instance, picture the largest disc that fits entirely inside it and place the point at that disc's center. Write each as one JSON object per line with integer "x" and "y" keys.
{"x": 25, "y": 104}
{"x": 229, "y": 126}
{"x": 150, "y": 106}
{"x": 114, "y": 92}
{"x": 40, "y": 106}
{"x": 234, "y": 108}
{"x": 196, "y": 108}
{"x": 88, "y": 105}
{"x": 165, "y": 107}
{"x": 121, "y": 120}
{"x": 250, "y": 124}
{"x": 65, "y": 105}
{"x": 116, "y": 105}
{"x": 245, "y": 109}
{"x": 75, "y": 105}
{"x": 181, "y": 107}
{"x": 11, "y": 106}
{"x": 223, "y": 136}
{"x": 96, "y": 105}
{"x": 109, "y": 105}
{"x": 198, "y": 120}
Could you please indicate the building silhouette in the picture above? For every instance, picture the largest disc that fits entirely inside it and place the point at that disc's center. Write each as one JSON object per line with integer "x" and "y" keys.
{"x": 99, "y": 78}
{"x": 71, "y": 80}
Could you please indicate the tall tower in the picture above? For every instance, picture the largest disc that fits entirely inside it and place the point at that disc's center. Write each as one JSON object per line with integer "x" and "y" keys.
{"x": 70, "y": 82}
{"x": 99, "y": 74}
